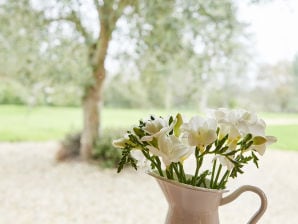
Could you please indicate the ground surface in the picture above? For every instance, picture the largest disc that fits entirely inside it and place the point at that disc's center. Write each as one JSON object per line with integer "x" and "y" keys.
{"x": 34, "y": 189}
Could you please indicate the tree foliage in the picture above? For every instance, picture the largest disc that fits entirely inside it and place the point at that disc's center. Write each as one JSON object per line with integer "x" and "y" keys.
{"x": 177, "y": 51}
{"x": 189, "y": 49}
{"x": 39, "y": 57}
{"x": 275, "y": 87}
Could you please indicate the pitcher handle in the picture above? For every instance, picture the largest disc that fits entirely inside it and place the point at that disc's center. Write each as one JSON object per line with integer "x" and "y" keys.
{"x": 239, "y": 191}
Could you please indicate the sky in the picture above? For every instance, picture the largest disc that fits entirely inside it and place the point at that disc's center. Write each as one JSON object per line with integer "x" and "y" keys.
{"x": 274, "y": 26}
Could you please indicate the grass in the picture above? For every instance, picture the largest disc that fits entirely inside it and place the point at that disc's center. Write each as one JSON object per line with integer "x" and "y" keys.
{"x": 21, "y": 123}
{"x": 286, "y": 136}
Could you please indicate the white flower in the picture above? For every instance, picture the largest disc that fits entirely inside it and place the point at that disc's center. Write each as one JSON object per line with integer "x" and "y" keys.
{"x": 154, "y": 126}
{"x": 229, "y": 129}
{"x": 200, "y": 131}
{"x": 142, "y": 161}
{"x": 248, "y": 122}
{"x": 121, "y": 142}
{"x": 260, "y": 143}
{"x": 225, "y": 161}
{"x": 257, "y": 128}
{"x": 171, "y": 149}
{"x": 238, "y": 123}
{"x": 220, "y": 114}
{"x": 226, "y": 123}
{"x": 157, "y": 127}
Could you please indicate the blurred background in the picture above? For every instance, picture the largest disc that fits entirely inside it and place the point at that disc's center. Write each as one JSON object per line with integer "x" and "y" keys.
{"x": 80, "y": 72}
{"x": 58, "y": 66}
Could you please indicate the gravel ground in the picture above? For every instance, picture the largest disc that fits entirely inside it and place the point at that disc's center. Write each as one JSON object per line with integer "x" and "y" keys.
{"x": 35, "y": 189}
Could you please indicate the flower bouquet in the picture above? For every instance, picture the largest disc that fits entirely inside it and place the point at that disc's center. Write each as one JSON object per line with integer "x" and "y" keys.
{"x": 232, "y": 138}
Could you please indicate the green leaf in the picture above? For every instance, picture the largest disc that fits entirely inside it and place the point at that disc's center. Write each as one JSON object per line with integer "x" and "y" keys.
{"x": 139, "y": 132}
{"x": 126, "y": 159}
{"x": 220, "y": 143}
{"x": 248, "y": 144}
{"x": 230, "y": 153}
{"x": 224, "y": 149}
{"x": 255, "y": 159}
{"x": 202, "y": 178}
{"x": 247, "y": 137}
{"x": 237, "y": 169}
{"x": 171, "y": 120}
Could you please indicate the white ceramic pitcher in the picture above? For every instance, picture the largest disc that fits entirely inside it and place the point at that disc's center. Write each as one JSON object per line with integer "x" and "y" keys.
{"x": 196, "y": 205}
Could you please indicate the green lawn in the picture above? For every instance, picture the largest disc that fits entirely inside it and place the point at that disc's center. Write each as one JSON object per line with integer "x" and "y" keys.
{"x": 286, "y": 136}
{"x": 21, "y": 123}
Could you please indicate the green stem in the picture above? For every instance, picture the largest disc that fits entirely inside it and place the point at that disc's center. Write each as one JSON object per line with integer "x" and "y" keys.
{"x": 217, "y": 175}
{"x": 157, "y": 160}
{"x": 183, "y": 176}
{"x": 223, "y": 180}
{"x": 198, "y": 166}
{"x": 169, "y": 175}
{"x": 159, "y": 169}
{"x": 156, "y": 164}
{"x": 170, "y": 170}
{"x": 212, "y": 174}
{"x": 204, "y": 183}
{"x": 177, "y": 172}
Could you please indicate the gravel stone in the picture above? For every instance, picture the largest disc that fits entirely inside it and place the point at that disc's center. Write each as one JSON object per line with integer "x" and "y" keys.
{"x": 35, "y": 189}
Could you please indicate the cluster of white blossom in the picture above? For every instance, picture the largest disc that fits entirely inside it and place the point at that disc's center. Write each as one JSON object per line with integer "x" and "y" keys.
{"x": 224, "y": 133}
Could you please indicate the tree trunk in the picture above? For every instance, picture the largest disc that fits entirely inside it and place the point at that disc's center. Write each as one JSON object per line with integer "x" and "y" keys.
{"x": 91, "y": 122}
{"x": 93, "y": 100}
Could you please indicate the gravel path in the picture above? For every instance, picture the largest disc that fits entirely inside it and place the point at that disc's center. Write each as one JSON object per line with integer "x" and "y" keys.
{"x": 34, "y": 189}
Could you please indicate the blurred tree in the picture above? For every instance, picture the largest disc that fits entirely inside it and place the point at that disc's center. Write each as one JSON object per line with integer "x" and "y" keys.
{"x": 275, "y": 86}
{"x": 160, "y": 30}
{"x": 35, "y": 60}
{"x": 189, "y": 49}
{"x": 295, "y": 66}
{"x": 295, "y": 83}
{"x": 172, "y": 42}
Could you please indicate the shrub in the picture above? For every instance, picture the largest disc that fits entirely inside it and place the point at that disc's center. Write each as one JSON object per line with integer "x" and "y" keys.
{"x": 69, "y": 148}
{"x": 12, "y": 92}
{"x": 104, "y": 152}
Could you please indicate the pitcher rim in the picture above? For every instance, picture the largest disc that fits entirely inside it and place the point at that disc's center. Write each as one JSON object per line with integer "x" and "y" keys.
{"x": 151, "y": 173}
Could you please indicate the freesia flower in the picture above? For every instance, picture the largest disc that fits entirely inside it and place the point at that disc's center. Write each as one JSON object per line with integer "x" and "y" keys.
{"x": 238, "y": 123}
{"x": 157, "y": 127}
{"x": 225, "y": 161}
{"x": 260, "y": 145}
{"x": 221, "y": 114}
{"x": 121, "y": 142}
{"x": 142, "y": 161}
{"x": 154, "y": 126}
{"x": 231, "y": 136}
{"x": 248, "y": 122}
{"x": 171, "y": 149}
{"x": 200, "y": 131}
{"x": 230, "y": 129}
